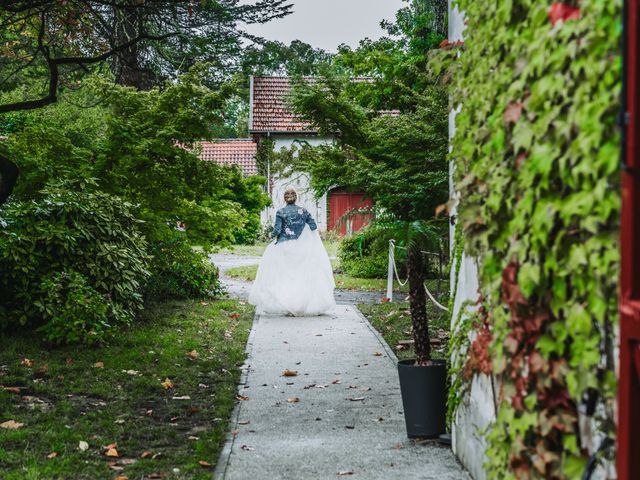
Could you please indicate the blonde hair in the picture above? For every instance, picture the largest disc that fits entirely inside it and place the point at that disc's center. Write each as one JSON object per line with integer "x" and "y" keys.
{"x": 290, "y": 196}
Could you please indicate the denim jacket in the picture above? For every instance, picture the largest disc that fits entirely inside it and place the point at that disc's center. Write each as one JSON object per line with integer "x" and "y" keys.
{"x": 290, "y": 222}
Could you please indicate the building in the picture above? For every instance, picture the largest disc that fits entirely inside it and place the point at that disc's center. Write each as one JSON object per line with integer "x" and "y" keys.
{"x": 270, "y": 118}
{"x": 237, "y": 151}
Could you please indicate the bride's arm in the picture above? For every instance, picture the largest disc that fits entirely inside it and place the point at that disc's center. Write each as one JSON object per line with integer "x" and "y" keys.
{"x": 311, "y": 222}
{"x": 277, "y": 228}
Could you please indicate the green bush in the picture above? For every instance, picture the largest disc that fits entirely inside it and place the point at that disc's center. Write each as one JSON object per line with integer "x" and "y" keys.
{"x": 90, "y": 233}
{"x": 365, "y": 254}
{"x": 178, "y": 271}
{"x": 74, "y": 312}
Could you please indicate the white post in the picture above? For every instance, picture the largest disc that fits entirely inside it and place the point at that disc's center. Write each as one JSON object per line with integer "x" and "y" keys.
{"x": 392, "y": 247}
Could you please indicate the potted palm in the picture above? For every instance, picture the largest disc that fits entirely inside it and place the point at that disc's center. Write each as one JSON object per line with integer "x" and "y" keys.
{"x": 423, "y": 380}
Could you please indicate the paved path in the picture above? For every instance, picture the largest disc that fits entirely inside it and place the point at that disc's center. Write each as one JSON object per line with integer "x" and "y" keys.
{"x": 347, "y": 416}
{"x": 240, "y": 289}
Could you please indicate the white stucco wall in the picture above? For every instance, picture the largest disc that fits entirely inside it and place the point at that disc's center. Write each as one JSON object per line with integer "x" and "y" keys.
{"x": 300, "y": 181}
{"x": 477, "y": 410}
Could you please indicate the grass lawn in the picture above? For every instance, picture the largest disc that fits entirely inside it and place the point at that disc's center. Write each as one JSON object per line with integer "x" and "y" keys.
{"x": 343, "y": 281}
{"x": 393, "y": 321}
{"x": 115, "y": 395}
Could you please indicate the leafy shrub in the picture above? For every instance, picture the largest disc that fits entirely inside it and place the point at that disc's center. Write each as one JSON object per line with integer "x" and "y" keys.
{"x": 74, "y": 311}
{"x": 91, "y": 233}
{"x": 365, "y": 254}
{"x": 178, "y": 271}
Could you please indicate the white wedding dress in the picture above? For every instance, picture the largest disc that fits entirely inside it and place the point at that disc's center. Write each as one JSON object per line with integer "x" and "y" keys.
{"x": 295, "y": 278}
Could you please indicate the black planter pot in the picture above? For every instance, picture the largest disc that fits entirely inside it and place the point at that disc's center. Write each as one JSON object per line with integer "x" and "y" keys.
{"x": 424, "y": 397}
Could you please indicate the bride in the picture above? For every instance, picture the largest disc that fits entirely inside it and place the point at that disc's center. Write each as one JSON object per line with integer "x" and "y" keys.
{"x": 295, "y": 275}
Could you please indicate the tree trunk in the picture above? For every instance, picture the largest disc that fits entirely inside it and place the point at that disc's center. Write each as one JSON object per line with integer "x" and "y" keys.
{"x": 418, "y": 305}
{"x": 127, "y": 63}
{"x": 8, "y": 178}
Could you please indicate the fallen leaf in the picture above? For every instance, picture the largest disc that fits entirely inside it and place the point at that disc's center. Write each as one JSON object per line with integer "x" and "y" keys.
{"x": 242, "y": 398}
{"x": 193, "y": 355}
{"x": 167, "y": 384}
{"x": 184, "y": 397}
{"x": 116, "y": 468}
{"x": 204, "y": 464}
{"x": 128, "y": 461}
{"x": 377, "y": 354}
{"x": 244, "y": 422}
{"x": 121, "y": 477}
{"x": 11, "y": 425}
{"x": 204, "y": 304}
{"x": 98, "y": 365}
{"x": 146, "y": 454}
{"x": 349, "y": 427}
{"x": 120, "y": 421}
{"x": 52, "y": 455}
{"x": 357, "y": 399}
{"x": 12, "y": 390}
{"x": 83, "y": 446}
{"x": 345, "y": 472}
{"x": 293, "y": 400}
{"x": 131, "y": 372}
{"x": 321, "y": 386}
{"x": 27, "y": 363}
{"x": 247, "y": 448}
{"x": 234, "y": 315}
{"x": 337, "y": 381}
{"x": 69, "y": 361}
{"x": 156, "y": 455}
{"x": 112, "y": 452}
{"x": 290, "y": 373}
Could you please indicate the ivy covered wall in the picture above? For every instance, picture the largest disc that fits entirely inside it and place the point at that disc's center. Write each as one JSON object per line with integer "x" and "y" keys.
{"x": 536, "y": 156}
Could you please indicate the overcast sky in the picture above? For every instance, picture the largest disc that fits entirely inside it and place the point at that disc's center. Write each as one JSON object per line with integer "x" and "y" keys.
{"x": 328, "y": 23}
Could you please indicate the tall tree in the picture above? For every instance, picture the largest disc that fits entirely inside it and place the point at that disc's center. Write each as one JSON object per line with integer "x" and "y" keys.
{"x": 47, "y": 44}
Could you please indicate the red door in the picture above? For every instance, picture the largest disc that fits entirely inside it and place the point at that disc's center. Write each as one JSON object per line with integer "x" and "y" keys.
{"x": 628, "y": 437}
{"x": 341, "y": 203}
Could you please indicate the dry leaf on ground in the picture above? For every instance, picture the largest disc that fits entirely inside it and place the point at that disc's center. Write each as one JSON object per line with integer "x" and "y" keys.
{"x": 247, "y": 448}
{"x": 193, "y": 355}
{"x": 377, "y": 354}
{"x": 290, "y": 373}
{"x": 357, "y": 399}
{"x": 293, "y": 400}
{"x": 98, "y": 365}
{"x": 244, "y": 422}
{"x": 167, "y": 384}
{"x": 11, "y": 425}
{"x": 15, "y": 390}
{"x": 52, "y": 455}
{"x": 26, "y": 362}
{"x": 204, "y": 464}
{"x": 345, "y": 472}
{"x": 146, "y": 454}
{"x": 121, "y": 477}
{"x": 83, "y": 446}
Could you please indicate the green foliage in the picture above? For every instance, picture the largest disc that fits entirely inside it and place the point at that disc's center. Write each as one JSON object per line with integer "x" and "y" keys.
{"x": 147, "y": 160}
{"x": 536, "y": 163}
{"x": 93, "y": 239}
{"x": 364, "y": 254}
{"x": 73, "y": 311}
{"x": 178, "y": 271}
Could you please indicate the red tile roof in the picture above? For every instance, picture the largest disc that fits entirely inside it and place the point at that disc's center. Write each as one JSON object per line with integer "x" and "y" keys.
{"x": 269, "y": 110}
{"x": 241, "y": 152}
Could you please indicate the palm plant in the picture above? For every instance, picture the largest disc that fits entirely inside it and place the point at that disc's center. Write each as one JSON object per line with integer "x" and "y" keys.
{"x": 418, "y": 237}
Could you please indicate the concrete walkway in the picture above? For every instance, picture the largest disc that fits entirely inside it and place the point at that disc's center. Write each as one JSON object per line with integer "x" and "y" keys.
{"x": 341, "y": 415}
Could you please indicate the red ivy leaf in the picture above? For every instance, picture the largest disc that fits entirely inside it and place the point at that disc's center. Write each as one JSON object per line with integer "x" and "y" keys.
{"x": 561, "y": 12}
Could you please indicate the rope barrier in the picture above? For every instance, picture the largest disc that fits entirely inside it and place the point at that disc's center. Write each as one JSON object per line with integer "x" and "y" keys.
{"x": 393, "y": 271}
